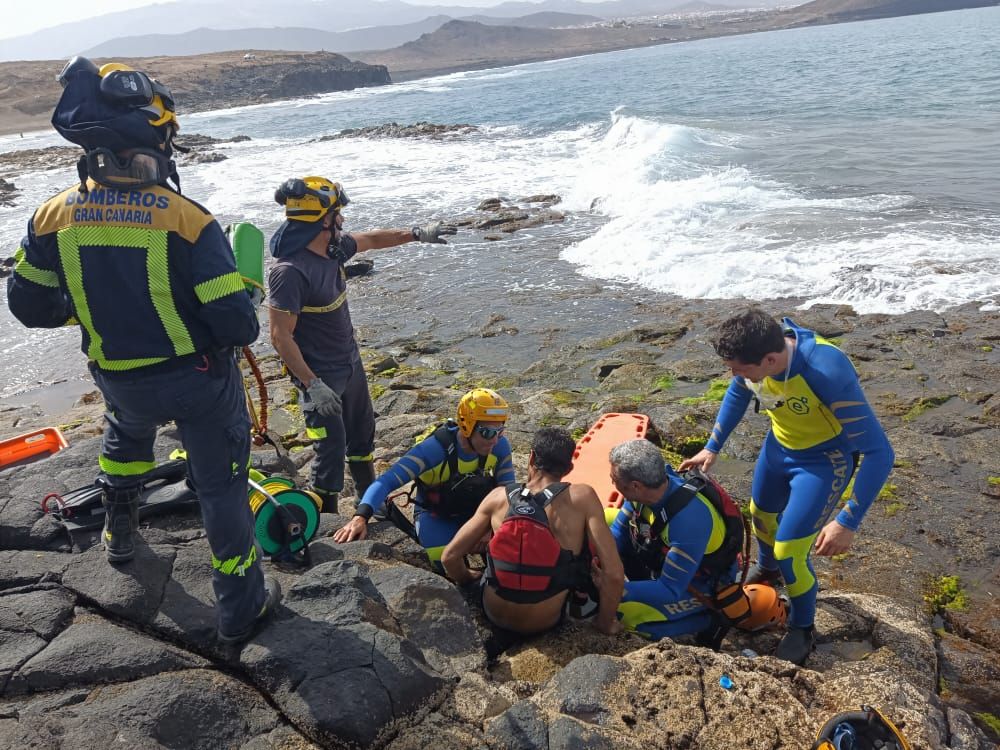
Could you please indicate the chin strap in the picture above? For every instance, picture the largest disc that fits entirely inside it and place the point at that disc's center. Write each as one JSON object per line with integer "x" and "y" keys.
{"x": 81, "y": 171}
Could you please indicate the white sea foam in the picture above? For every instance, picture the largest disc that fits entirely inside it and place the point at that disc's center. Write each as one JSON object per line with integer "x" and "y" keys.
{"x": 676, "y": 227}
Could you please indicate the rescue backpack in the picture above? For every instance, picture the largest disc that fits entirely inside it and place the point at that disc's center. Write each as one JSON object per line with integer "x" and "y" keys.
{"x": 460, "y": 494}
{"x": 525, "y": 563}
{"x": 730, "y": 601}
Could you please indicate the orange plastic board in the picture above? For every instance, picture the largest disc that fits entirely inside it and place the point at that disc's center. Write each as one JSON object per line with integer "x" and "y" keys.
{"x": 590, "y": 459}
{"x": 31, "y": 446}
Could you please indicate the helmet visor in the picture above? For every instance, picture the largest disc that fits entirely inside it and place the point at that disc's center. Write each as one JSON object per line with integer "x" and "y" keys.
{"x": 141, "y": 168}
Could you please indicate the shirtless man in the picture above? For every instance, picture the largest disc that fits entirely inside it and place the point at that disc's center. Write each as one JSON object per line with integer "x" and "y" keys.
{"x": 518, "y": 600}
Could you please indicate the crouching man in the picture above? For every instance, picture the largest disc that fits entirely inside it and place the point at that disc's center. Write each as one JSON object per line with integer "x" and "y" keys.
{"x": 549, "y": 539}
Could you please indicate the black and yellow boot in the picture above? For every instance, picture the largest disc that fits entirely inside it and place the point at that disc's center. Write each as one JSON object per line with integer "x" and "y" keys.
{"x": 363, "y": 474}
{"x": 121, "y": 507}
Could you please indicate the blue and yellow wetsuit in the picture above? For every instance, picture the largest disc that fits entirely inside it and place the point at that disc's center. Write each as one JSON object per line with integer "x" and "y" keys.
{"x": 427, "y": 464}
{"x": 820, "y": 422}
{"x": 665, "y": 607}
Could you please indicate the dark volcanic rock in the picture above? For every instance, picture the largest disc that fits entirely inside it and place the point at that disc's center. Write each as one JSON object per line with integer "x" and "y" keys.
{"x": 93, "y": 650}
{"x": 197, "y": 709}
{"x": 394, "y": 130}
{"x": 363, "y": 678}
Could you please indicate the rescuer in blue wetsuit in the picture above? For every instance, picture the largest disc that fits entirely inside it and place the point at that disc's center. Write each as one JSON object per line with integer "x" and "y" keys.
{"x": 821, "y": 423}
{"x": 453, "y": 469}
{"x": 151, "y": 280}
{"x": 665, "y": 606}
{"x": 311, "y": 326}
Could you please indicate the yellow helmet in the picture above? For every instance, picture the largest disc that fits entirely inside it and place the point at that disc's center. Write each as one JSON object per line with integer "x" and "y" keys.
{"x": 310, "y": 198}
{"x": 480, "y": 405}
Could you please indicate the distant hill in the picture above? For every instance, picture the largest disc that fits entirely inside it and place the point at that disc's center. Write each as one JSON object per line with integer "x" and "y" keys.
{"x": 536, "y": 20}
{"x": 205, "y": 41}
{"x": 827, "y": 11}
{"x": 181, "y": 16}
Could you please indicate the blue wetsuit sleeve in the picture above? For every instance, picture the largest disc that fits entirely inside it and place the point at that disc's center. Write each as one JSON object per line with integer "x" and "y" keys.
{"x": 34, "y": 292}
{"x": 836, "y": 383}
{"x": 686, "y": 537}
{"x": 620, "y": 529}
{"x": 225, "y": 305}
{"x": 504, "y": 472}
{"x": 423, "y": 456}
{"x": 734, "y": 406}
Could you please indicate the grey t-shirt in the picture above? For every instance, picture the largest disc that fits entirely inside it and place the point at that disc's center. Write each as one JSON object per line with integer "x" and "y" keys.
{"x": 315, "y": 289}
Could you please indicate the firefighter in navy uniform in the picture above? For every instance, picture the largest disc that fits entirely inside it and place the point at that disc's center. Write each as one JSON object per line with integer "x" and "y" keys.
{"x": 151, "y": 280}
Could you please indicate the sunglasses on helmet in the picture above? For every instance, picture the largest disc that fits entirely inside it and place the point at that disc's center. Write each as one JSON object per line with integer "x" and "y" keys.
{"x": 488, "y": 433}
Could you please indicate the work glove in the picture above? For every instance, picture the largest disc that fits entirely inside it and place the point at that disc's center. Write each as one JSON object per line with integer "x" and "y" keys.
{"x": 323, "y": 400}
{"x": 434, "y": 232}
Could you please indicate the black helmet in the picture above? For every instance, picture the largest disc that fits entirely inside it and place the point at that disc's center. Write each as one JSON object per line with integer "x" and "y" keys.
{"x": 114, "y": 109}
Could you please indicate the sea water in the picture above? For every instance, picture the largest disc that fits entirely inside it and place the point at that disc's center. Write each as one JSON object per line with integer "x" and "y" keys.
{"x": 854, "y": 163}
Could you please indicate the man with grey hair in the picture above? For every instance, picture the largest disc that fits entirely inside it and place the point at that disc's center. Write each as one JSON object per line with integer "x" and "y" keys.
{"x": 665, "y": 533}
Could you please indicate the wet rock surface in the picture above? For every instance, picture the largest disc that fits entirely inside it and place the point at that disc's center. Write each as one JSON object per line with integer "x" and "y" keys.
{"x": 370, "y": 648}
{"x": 395, "y": 130}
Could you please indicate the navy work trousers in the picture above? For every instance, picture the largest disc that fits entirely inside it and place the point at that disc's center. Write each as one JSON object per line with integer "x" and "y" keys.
{"x": 350, "y": 436}
{"x": 209, "y": 407}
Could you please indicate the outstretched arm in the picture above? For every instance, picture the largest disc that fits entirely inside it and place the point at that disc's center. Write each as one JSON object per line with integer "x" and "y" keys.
{"x": 734, "y": 406}
{"x": 378, "y": 239}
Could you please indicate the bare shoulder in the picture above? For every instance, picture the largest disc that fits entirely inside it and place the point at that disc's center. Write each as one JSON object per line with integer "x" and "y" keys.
{"x": 584, "y": 497}
{"x": 495, "y": 500}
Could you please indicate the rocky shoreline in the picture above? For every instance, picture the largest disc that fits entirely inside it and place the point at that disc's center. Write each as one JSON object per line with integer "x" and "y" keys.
{"x": 371, "y": 649}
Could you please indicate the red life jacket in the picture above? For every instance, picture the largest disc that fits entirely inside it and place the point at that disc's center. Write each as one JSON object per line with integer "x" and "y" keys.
{"x": 525, "y": 563}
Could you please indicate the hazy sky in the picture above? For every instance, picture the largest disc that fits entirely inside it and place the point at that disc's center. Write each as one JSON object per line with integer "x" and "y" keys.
{"x": 25, "y": 17}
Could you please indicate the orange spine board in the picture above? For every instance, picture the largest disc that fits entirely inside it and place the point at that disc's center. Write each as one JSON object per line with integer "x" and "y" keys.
{"x": 31, "y": 446}
{"x": 590, "y": 459}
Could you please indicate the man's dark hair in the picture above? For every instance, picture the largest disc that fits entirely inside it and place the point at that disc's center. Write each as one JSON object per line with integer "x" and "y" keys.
{"x": 553, "y": 448}
{"x": 749, "y": 337}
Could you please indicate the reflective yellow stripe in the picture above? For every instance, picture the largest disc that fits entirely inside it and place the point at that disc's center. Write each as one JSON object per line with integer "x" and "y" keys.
{"x": 328, "y": 308}
{"x": 32, "y": 273}
{"x": 765, "y": 525}
{"x": 361, "y": 459}
{"x": 158, "y": 274}
{"x": 315, "y": 433}
{"x": 798, "y": 551}
{"x": 124, "y": 468}
{"x": 434, "y": 553}
{"x": 634, "y": 614}
{"x": 118, "y": 365}
{"x": 154, "y": 242}
{"x": 220, "y": 286}
{"x": 69, "y": 255}
{"x": 233, "y": 566}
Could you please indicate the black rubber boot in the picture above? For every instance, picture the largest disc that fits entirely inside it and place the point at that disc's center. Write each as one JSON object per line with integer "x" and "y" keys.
{"x": 330, "y": 501}
{"x": 757, "y": 574}
{"x": 797, "y": 644}
{"x": 272, "y": 599}
{"x": 363, "y": 474}
{"x": 121, "y": 507}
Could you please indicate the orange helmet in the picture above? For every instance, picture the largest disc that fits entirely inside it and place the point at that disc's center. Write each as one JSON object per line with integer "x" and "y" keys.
{"x": 767, "y": 608}
{"x": 480, "y": 405}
